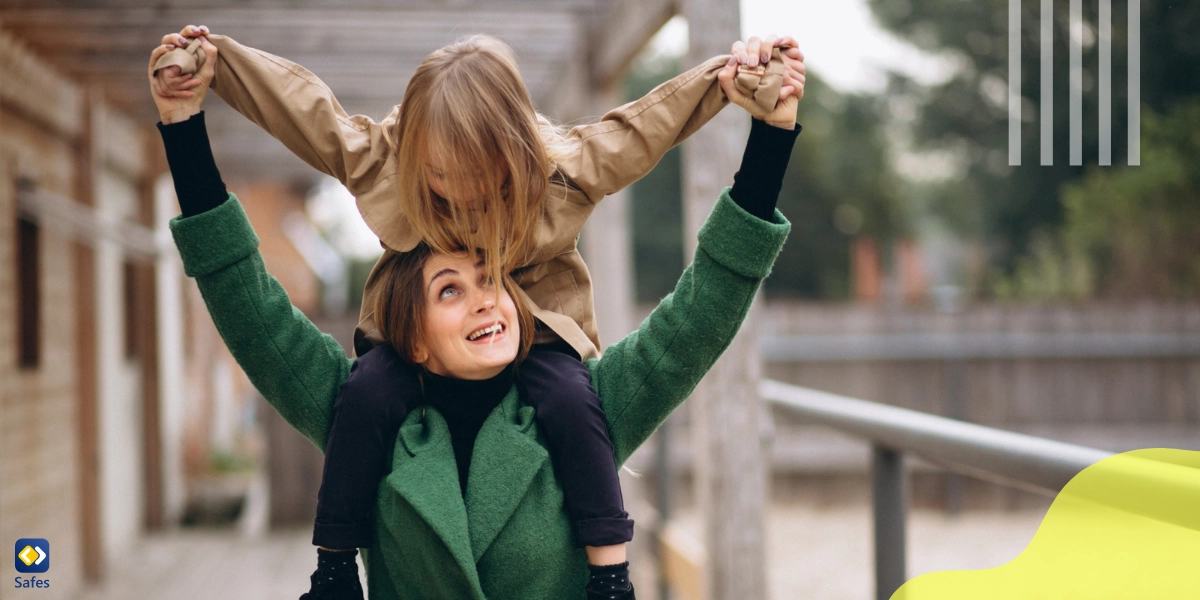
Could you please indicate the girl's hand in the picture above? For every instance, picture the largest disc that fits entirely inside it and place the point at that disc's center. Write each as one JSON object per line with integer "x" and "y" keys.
{"x": 754, "y": 52}
{"x": 179, "y": 96}
{"x": 784, "y": 113}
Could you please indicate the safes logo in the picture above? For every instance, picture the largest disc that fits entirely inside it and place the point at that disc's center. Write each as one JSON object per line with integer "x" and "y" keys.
{"x": 32, "y": 555}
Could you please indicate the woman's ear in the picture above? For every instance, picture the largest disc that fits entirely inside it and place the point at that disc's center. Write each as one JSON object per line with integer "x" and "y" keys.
{"x": 420, "y": 355}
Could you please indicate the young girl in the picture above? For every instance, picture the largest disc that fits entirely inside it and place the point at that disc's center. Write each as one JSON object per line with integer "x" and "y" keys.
{"x": 465, "y": 162}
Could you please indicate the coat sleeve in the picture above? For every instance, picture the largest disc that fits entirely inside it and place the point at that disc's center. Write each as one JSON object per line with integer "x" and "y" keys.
{"x": 298, "y": 369}
{"x": 646, "y": 375}
{"x": 630, "y": 140}
{"x": 299, "y": 110}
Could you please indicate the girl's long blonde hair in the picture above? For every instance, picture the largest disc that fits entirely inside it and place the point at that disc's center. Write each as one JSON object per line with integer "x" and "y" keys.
{"x": 467, "y": 109}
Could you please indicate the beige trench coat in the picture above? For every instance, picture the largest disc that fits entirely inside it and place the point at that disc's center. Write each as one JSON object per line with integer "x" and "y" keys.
{"x": 295, "y": 107}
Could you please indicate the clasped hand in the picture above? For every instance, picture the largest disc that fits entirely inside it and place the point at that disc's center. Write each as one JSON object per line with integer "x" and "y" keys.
{"x": 755, "y": 52}
{"x": 178, "y": 96}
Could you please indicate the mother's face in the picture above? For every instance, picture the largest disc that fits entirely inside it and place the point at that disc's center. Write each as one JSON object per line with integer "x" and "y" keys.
{"x": 471, "y": 330}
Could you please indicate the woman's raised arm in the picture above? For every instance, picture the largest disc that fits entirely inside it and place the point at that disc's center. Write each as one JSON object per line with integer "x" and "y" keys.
{"x": 297, "y": 368}
{"x": 642, "y": 378}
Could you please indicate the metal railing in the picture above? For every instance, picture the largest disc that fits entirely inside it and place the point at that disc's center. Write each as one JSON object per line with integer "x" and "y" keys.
{"x": 1012, "y": 459}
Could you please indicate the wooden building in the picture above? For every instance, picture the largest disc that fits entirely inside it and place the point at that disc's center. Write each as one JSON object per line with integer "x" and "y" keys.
{"x": 108, "y": 366}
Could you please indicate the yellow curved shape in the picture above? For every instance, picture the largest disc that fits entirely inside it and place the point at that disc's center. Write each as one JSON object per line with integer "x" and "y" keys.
{"x": 1127, "y": 527}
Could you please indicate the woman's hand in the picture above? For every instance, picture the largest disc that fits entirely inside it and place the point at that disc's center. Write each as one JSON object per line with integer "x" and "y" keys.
{"x": 755, "y": 52}
{"x": 179, "y": 96}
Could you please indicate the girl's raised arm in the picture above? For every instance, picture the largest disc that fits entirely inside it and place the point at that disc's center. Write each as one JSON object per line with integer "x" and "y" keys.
{"x": 297, "y": 108}
{"x": 630, "y": 140}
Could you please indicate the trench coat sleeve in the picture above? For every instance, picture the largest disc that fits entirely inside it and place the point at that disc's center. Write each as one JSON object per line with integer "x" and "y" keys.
{"x": 298, "y": 109}
{"x": 298, "y": 369}
{"x": 629, "y": 140}
{"x": 643, "y": 377}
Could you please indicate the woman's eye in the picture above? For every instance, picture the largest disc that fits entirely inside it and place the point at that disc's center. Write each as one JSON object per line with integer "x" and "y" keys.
{"x": 447, "y": 292}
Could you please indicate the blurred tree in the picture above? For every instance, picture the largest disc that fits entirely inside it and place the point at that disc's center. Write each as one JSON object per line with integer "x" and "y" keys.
{"x": 1012, "y": 207}
{"x": 656, "y": 203}
{"x": 1129, "y": 232}
{"x": 839, "y": 184}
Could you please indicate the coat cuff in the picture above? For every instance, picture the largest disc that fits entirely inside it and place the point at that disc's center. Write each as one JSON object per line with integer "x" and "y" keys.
{"x": 214, "y": 239}
{"x": 740, "y": 241}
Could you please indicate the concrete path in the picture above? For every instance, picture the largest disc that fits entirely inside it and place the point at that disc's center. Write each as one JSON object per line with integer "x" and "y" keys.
{"x": 826, "y": 554}
{"x": 816, "y": 554}
{"x": 206, "y": 565}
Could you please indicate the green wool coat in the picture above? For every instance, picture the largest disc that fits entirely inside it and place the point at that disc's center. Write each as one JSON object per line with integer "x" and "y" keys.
{"x": 510, "y": 537}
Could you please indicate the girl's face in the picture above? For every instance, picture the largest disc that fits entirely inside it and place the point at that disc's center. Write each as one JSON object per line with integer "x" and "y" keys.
{"x": 463, "y": 191}
{"x": 471, "y": 329}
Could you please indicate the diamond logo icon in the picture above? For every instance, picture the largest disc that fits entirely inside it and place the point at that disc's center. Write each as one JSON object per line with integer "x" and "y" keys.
{"x": 32, "y": 555}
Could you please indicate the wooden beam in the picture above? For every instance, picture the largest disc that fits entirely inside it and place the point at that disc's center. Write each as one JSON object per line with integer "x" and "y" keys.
{"x": 31, "y": 89}
{"x": 727, "y": 417}
{"x": 453, "y": 6}
{"x": 250, "y": 20}
{"x": 682, "y": 559}
{"x": 619, "y": 36}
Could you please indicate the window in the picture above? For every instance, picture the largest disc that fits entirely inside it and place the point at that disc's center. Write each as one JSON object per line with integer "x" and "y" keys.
{"x": 129, "y": 277}
{"x": 29, "y": 300}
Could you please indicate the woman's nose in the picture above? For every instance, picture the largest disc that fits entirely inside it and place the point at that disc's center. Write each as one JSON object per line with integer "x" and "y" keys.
{"x": 486, "y": 301}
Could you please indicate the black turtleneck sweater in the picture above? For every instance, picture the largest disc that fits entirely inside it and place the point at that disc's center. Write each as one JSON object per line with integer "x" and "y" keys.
{"x": 466, "y": 405}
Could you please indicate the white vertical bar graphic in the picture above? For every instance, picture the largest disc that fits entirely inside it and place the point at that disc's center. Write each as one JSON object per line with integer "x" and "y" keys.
{"x": 1014, "y": 83}
{"x": 1076, "y": 24}
{"x": 1047, "y": 110}
{"x": 1135, "y": 83}
{"x": 1105, "y": 83}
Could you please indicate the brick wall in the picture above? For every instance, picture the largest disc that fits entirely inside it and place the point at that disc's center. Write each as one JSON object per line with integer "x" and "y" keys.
{"x": 39, "y": 470}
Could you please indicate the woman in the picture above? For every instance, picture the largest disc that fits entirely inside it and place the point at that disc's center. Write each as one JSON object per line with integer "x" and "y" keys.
{"x": 506, "y": 535}
{"x": 465, "y": 160}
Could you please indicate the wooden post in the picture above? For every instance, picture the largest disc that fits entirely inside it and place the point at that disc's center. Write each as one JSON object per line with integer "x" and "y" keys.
{"x": 154, "y": 516}
{"x": 607, "y": 247}
{"x": 88, "y": 397}
{"x": 727, "y": 415}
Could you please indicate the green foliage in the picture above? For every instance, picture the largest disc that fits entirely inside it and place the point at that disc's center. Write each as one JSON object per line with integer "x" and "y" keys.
{"x": 656, "y": 203}
{"x": 839, "y": 184}
{"x": 1129, "y": 232}
{"x": 1014, "y": 209}
{"x": 221, "y": 461}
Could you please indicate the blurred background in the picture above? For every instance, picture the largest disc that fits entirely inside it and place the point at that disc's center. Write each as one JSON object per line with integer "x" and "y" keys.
{"x": 924, "y": 271}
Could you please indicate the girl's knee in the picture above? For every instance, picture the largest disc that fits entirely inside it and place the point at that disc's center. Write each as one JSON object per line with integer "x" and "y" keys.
{"x": 378, "y": 381}
{"x": 574, "y": 402}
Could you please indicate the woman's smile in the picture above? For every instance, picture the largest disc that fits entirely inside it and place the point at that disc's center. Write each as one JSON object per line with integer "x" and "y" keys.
{"x": 488, "y": 333}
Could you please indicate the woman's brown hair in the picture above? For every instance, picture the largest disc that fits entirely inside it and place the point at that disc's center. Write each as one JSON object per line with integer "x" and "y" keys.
{"x": 400, "y": 305}
{"x": 467, "y": 109}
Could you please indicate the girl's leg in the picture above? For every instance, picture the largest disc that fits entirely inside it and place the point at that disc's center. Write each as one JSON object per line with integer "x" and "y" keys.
{"x": 558, "y": 386}
{"x": 366, "y": 418}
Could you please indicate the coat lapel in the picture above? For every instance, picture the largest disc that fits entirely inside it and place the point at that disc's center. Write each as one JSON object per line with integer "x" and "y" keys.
{"x": 424, "y": 474}
{"x": 504, "y": 462}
